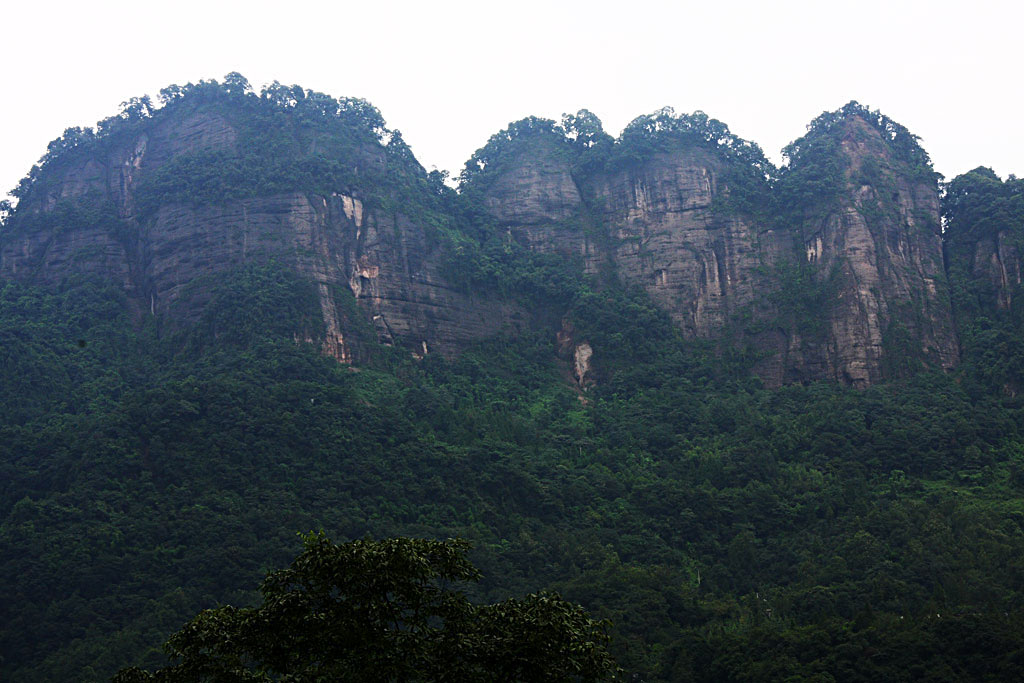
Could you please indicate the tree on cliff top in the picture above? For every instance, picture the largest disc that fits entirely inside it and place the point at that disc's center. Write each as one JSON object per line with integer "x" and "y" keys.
{"x": 384, "y": 611}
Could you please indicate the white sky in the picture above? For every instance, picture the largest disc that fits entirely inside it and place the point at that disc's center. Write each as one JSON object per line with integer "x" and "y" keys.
{"x": 450, "y": 74}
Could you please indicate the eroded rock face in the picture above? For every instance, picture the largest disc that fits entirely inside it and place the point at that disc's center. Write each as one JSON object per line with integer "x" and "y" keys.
{"x": 997, "y": 261}
{"x": 664, "y": 232}
{"x": 881, "y": 248}
{"x": 663, "y": 223}
{"x": 538, "y": 203}
{"x": 537, "y": 189}
{"x": 196, "y": 132}
{"x": 698, "y": 264}
{"x": 64, "y": 251}
{"x": 166, "y": 259}
{"x": 396, "y": 276}
{"x": 581, "y": 363}
{"x": 877, "y": 251}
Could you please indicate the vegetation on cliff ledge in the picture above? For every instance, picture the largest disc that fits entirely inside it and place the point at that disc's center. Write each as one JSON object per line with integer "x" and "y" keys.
{"x": 730, "y": 532}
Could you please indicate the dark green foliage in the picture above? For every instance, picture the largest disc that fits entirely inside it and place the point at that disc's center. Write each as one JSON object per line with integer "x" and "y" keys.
{"x": 69, "y": 351}
{"x": 802, "y": 295}
{"x": 385, "y": 611}
{"x": 982, "y": 211}
{"x": 978, "y": 207}
{"x": 501, "y": 265}
{"x": 582, "y": 142}
{"x": 89, "y": 213}
{"x": 490, "y": 160}
{"x": 937, "y": 647}
{"x": 902, "y": 144}
{"x": 636, "y": 346}
{"x": 289, "y": 139}
{"x": 657, "y": 131}
{"x": 731, "y": 532}
{"x": 744, "y": 182}
{"x": 809, "y": 185}
{"x": 250, "y": 304}
{"x": 674, "y": 500}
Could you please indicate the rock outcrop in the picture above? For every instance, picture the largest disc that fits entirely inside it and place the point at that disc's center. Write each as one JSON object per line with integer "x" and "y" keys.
{"x": 537, "y": 202}
{"x": 879, "y": 245}
{"x": 997, "y": 261}
{"x": 661, "y": 219}
{"x": 985, "y": 237}
{"x": 166, "y": 260}
{"x": 699, "y": 264}
{"x": 665, "y": 222}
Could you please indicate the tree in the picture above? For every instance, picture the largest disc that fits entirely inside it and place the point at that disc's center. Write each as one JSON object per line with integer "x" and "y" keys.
{"x": 585, "y": 129}
{"x": 236, "y": 84}
{"x": 384, "y": 611}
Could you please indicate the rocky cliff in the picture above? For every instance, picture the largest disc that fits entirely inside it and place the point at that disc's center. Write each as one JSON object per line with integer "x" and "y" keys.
{"x": 382, "y": 260}
{"x": 677, "y": 207}
{"x": 876, "y": 240}
{"x": 985, "y": 238}
{"x": 82, "y": 220}
{"x": 696, "y": 262}
{"x": 863, "y": 249}
{"x": 997, "y": 260}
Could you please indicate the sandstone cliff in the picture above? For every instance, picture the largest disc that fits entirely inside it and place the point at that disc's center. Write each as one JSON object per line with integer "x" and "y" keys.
{"x": 83, "y": 222}
{"x": 878, "y": 242}
{"x": 663, "y": 218}
{"x": 534, "y": 198}
{"x": 699, "y": 264}
{"x": 985, "y": 238}
{"x": 997, "y": 261}
{"x": 682, "y": 210}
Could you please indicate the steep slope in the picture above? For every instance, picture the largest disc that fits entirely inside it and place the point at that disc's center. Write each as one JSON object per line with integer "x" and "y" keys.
{"x": 830, "y": 269}
{"x": 833, "y": 271}
{"x": 984, "y": 245}
{"x": 215, "y": 180}
{"x": 653, "y": 206}
{"x": 870, "y": 228}
{"x": 522, "y": 186}
{"x": 698, "y": 263}
{"x": 984, "y": 237}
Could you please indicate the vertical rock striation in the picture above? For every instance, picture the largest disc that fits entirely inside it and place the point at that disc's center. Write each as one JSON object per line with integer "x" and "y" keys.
{"x": 535, "y": 200}
{"x": 84, "y": 223}
{"x": 697, "y": 262}
{"x": 985, "y": 237}
{"x": 855, "y": 215}
{"x": 878, "y": 243}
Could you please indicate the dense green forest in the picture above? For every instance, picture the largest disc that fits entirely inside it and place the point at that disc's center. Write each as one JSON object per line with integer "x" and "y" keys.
{"x": 729, "y": 532}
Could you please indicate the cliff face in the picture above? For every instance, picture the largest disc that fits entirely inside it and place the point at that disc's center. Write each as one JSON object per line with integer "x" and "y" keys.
{"x": 985, "y": 234}
{"x": 384, "y": 261}
{"x": 537, "y": 201}
{"x": 880, "y": 247}
{"x": 663, "y": 219}
{"x": 997, "y": 261}
{"x": 698, "y": 264}
{"x": 873, "y": 249}
{"x": 167, "y": 258}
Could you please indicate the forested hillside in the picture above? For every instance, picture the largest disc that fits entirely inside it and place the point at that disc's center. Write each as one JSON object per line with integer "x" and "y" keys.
{"x": 269, "y": 319}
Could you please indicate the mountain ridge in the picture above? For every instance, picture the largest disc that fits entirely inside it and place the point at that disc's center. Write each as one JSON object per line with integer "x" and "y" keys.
{"x": 196, "y": 365}
{"x": 677, "y": 206}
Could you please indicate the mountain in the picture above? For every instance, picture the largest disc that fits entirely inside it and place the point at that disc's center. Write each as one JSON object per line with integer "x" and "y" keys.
{"x": 984, "y": 240}
{"x": 767, "y": 421}
{"x": 203, "y": 187}
{"x": 678, "y": 207}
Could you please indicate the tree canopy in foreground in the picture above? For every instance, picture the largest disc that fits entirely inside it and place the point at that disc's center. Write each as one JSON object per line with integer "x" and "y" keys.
{"x": 384, "y": 611}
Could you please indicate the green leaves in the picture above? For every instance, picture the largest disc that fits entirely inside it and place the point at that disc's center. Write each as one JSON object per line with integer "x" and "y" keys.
{"x": 384, "y": 611}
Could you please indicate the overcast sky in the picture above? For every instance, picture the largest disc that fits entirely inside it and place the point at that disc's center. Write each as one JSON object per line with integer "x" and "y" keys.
{"x": 450, "y": 74}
